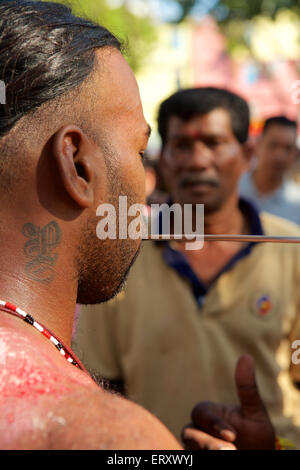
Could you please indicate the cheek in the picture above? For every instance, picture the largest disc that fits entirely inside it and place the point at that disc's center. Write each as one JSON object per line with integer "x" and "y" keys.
{"x": 134, "y": 179}
{"x": 169, "y": 174}
{"x": 233, "y": 169}
{"x": 102, "y": 184}
{"x": 291, "y": 159}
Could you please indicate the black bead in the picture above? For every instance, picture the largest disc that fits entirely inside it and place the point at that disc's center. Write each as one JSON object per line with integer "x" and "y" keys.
{"x": 59, "y": 346}
{"x": 29, "y": 319}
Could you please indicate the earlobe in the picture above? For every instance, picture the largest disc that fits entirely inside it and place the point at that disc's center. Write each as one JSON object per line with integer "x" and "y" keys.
{"x": 162, "y": 172}
{"x": 248, "y": 152}
{"x": 70, "y": 151}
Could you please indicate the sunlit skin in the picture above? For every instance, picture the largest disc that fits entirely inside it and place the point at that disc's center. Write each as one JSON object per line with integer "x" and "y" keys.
{"x": 202, "y": 163}
{"x": 42, "y": 396}
{"x": 276, "y": 153}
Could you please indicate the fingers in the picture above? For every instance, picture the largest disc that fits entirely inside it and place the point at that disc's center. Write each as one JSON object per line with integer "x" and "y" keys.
{"x": 246, "y": 386}
{"x": 194, "y": 439}
{"x": 208, "y": 417}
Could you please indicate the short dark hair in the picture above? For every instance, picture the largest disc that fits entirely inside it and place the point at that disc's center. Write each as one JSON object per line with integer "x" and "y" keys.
{"x": 188, "y": 103}
{"x": 279, "y": 121}
{"x": 45, "y": 51}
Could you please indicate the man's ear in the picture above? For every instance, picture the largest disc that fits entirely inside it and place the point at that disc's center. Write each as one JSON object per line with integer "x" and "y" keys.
{"x": 249, "y": 151}
{"x": 162, "y": 171}
{"x": 71, "y": 149}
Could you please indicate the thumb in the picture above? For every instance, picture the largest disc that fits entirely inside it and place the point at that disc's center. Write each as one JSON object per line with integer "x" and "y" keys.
{"x": 246, "y": 386}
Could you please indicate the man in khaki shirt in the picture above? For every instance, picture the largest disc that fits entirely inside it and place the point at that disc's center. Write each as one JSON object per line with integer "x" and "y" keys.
{"x": 173, "y": 338}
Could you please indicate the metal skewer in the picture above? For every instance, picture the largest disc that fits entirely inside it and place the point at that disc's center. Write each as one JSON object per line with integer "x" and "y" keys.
{"x": 228, "y": 238}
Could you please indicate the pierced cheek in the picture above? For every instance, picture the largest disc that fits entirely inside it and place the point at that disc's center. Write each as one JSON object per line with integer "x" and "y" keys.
{"x": 136, "y": 181}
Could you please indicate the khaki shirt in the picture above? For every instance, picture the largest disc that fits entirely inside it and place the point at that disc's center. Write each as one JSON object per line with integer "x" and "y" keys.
{"x": 172, "y": 354}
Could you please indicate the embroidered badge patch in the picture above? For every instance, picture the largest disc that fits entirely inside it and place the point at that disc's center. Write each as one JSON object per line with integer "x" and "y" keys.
{"x": 263, "y": 305}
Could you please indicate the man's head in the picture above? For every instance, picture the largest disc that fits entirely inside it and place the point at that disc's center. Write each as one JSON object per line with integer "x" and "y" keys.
{"x": 71, "y": 136}
{"x": 276, "y": 148}
{"x": 204, "y": 134}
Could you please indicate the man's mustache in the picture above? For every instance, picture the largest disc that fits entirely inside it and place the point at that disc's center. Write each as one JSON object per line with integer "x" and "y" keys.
{"x": 193, "y": 178}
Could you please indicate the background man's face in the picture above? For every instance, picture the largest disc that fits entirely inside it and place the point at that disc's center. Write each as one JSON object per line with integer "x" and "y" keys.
{"x": 124, "y": 134}
{"x": 276, "y": 150}
{"x": 202, "y": 160}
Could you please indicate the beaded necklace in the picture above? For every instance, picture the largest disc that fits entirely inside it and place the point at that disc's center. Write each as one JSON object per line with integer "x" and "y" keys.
{"x": 64, "y": 351}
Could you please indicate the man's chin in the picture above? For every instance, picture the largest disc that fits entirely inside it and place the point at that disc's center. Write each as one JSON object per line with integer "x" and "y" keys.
{"x": 91, "y": 293}
{"x": 114, "y": 293}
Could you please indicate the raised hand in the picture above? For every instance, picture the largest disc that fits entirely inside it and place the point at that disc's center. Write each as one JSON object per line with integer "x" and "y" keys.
{"x": 244, "y": 426}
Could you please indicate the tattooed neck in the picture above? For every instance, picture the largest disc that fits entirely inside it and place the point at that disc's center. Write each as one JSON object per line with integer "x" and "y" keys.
{"x": 39, "y": 250}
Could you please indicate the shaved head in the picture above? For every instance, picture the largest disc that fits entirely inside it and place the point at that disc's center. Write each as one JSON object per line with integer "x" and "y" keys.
{"x": 47, "y": 60}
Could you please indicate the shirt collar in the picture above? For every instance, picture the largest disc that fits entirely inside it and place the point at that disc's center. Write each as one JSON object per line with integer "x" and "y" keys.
{"x": 179, "y": 263}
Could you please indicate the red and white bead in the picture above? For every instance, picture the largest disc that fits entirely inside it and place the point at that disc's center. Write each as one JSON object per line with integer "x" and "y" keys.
{"x": 29, "y": 319}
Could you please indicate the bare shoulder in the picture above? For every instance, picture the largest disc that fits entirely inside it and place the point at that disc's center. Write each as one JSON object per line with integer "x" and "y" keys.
{"x": 107, "y": 421}
{"x": 47, "y": 403}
